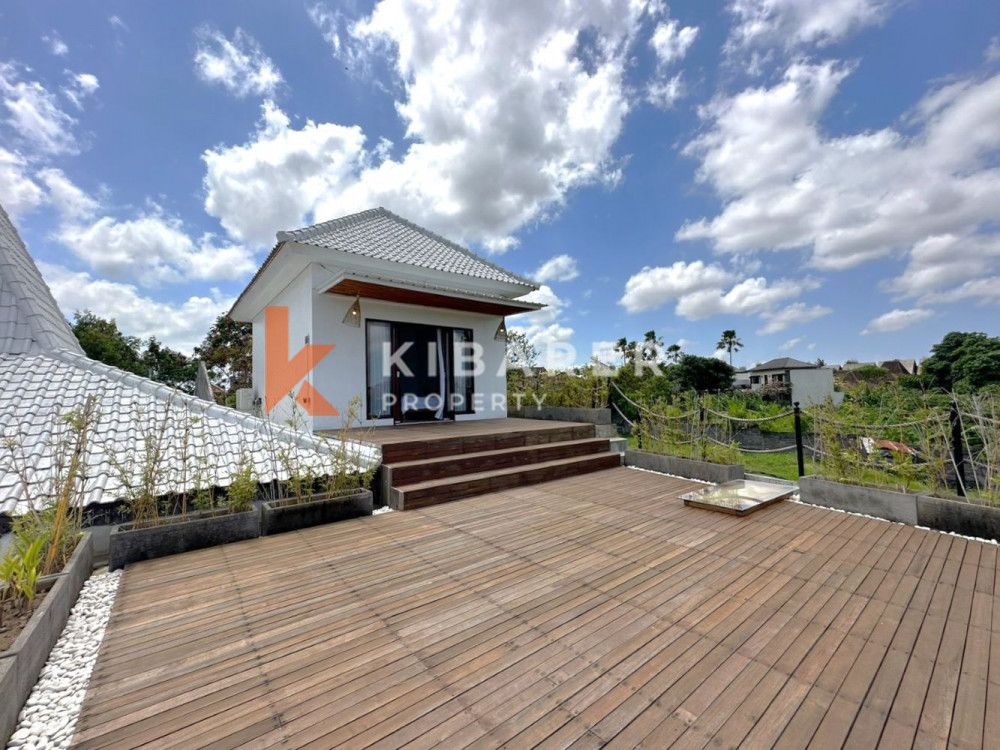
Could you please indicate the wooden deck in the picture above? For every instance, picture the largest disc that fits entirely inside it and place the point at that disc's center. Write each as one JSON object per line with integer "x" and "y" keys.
{"x": 415, "y": 431}
{"x": 587, "y": 611}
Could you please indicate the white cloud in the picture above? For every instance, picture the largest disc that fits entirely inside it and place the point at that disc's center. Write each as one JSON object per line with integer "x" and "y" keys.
{"x": 945, "y": 260}
{"x": 790, "y": 344}
{"x": 335, "y": 28}
{"x": 80, "y": 86}
{"x": 797, "y": 22}
{"x": 984, "y": 290}
{"x": 665, "y": 92}
{"x": 653, "y": 287}
{"x": 797, "y": 313}
{"x": 544, "y": 328}
{"x": 33, "y": 112}
{"x": 71, "y": 202}
{"x": 992, "y": 52}
{"x": 752, "y": 296}
{"x": 699, "y": 291}
{"x": 56, "y": 45}
{"x": 117, "y": 23}
{"x": 848, "y": 199}
{"x": 276, "y": 180}
{"x": 558, "y": 268}
{"x": 503, "y": 120}
{"x": 604, "y": 352}
{"x": 179, "y": 325}
{"x": 153, "y": 249}
{"x": 18, "y": 192}
{"x": 896, "y": 320}
{"x": 670, "y": 42}
{"x": 238, "y": 64}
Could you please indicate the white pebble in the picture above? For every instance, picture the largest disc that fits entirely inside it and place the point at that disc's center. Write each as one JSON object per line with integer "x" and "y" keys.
{"x": 51, "y": 711}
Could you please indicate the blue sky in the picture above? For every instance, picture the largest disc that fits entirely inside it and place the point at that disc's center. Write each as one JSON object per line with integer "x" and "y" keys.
{"x": 821, "y": 176}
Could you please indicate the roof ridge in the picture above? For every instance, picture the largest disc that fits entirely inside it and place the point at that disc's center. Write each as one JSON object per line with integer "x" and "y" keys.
{"x": 338, "y": 223}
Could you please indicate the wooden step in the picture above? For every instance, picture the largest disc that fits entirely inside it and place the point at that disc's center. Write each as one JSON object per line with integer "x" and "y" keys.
{"x": 422, "y": 449}
{"x": 412, "y": 472}
{"x": 438, "y": 491}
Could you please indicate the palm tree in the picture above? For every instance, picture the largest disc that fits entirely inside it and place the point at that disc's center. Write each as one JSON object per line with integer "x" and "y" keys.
{"x": 627, "y": 349}
{"x": 731, "y": 343}
{"x": 674, "y": 353}
{"x": 651, "y": 347}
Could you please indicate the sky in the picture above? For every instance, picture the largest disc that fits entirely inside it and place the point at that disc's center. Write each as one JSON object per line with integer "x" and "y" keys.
{"x": 821, "y": 176}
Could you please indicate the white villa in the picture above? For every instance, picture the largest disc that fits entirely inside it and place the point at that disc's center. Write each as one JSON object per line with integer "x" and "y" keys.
{"x": 372, "y": 284}
{"x": 809, "y": 383}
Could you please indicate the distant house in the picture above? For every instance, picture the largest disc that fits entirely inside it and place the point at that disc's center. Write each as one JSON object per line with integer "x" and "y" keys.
{"x": 375, "y": 285}
{"x": 892, "y": 366}
{"x": 45, "y": 375}
{"x": 809, "y": 383}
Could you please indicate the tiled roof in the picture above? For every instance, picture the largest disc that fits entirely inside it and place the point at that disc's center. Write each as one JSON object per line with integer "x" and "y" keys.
{"x": 40, "y": 390}
{"x": 784, "y": 363}
{"x": 30, "y": 319}
{"x": 380, "y": 234}
{"x": 44, "y": 376}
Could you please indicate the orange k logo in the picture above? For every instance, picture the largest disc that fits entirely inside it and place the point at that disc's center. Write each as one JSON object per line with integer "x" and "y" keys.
{"x": 281, "y": 374}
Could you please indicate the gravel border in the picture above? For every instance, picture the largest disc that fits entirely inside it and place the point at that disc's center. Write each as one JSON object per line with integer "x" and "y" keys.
{"x": 50, "y": 713}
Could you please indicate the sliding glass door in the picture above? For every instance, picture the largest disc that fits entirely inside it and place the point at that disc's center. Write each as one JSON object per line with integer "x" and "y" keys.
{"x": 430, "y": 378}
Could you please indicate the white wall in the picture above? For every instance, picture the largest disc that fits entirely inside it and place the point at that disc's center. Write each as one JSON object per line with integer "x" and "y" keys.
{"x": 341, "y": 375}
{"x": 297, "y": 297}
{"x": 811, "y": 387}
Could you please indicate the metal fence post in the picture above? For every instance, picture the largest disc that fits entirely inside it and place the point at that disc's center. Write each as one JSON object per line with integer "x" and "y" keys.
{"x": 957, "y": 449}
{"x": 798, "y": 440}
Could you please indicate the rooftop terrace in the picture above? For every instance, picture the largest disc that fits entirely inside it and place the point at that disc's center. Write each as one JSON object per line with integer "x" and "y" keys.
{"x": 591, "y": 610}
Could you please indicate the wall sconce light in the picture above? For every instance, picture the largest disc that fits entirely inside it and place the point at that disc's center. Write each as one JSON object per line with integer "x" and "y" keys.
{"x": 353, "y": 317}
{"x": 501, "y": 334}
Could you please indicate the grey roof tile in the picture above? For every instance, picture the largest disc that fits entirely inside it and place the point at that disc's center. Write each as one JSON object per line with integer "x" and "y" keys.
{"x": 30, "y": 319}
{"x": 381, "y": 234}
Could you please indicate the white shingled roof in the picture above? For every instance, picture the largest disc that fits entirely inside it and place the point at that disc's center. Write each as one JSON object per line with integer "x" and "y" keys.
{"x": 44, "y": 376}
{"x": 30, "y": 319}
{"x": 381, "y": 234}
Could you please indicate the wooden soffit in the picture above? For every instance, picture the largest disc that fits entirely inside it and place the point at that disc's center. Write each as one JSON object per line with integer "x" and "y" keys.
{"x": 411, "y": 296}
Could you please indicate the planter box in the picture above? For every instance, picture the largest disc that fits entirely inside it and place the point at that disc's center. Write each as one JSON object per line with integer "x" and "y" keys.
{"x": 287, "y": 515}
{"x": 566, "y": 414}
{"x": 174, "y": 535}
{"x": 684, "y": 467}
{"x": 21, "y": 664}
{"x": 958, "y": 517}
{"x": 900, "y": 507}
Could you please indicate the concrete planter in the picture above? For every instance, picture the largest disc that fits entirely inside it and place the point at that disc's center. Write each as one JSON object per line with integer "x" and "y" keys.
{"x": 684, "y": 467}
{"x": 287, "y": 515}
{"x": 177, "y": 534}
{"x": 938, "y": 513}
{"x": 21, "y": 664}
{"x": 958, "y": 517}
{"x": 566, "y": 414}
{"x": 888, "y": 504}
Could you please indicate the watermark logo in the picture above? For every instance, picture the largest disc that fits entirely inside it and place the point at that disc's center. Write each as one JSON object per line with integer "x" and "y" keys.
{"x": 281, "y": 373}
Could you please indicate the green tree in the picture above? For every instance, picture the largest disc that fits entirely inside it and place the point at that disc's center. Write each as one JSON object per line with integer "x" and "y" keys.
{"x": 674, "y": 354}
{"x": 627, "y": 349}
{"x": 964, "y": 362}
{"x": 104, "y": 342}
{"x": 228, "y": 354}
{"x": 730, "y": 342}
{"x": 652, "y": 345}
{"x": 521, "y": 353}
{"x": 164, "y": 365}
{"x": 702, "y": 374}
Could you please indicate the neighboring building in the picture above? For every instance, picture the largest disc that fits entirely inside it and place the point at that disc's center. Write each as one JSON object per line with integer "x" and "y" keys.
{"x": 44, "y": 375}
{"x": 370, "y": 284}
{"x": 808, "y": 383}
{"x": 892, "y": 366}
